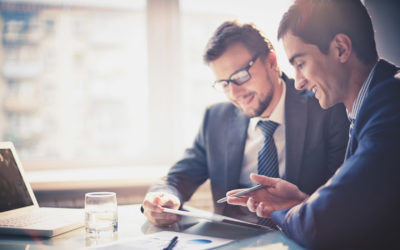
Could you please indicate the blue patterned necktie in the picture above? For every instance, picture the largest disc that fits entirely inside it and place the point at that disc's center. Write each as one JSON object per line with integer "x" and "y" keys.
{"x": 267, "y": 156}
{"x": 268, "y": 159}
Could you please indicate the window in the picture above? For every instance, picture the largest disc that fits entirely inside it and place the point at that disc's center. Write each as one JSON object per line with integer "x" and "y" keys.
{"x": 100, "y": 83}
{"x": 74, "y": 81}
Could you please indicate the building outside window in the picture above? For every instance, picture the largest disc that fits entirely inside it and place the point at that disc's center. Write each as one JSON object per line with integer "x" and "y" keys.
{"x": 111, "y": 83}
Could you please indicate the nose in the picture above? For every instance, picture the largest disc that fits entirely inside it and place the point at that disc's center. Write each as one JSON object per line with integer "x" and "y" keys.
{"x": 234, "y": 90}
{"x": 300, "y": 82}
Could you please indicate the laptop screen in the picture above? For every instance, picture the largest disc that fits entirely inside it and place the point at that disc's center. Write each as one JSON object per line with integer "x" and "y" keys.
{"x": 13, "y": 191}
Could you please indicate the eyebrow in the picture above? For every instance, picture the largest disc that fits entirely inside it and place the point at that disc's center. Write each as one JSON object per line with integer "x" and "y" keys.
{"x": 291, "y": 60}
{"x": 254, "y": 59}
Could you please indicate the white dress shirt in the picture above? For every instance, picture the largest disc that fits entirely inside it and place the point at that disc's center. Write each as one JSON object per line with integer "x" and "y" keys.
{"x": 255, "y": 140}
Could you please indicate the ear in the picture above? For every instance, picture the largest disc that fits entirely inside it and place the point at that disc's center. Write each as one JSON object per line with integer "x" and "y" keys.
{"x": 271, "y": 61}
{"x": 341, "y": 47}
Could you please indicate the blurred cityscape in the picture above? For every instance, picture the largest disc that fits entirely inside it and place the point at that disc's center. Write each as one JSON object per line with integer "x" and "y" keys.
{"x": 68, "y": 88}
{"x": 98, "y": 83}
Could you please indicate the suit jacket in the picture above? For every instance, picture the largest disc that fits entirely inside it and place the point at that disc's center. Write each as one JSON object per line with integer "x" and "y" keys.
{"x": 316, "y": 141}
{"x": 359, "y": 207}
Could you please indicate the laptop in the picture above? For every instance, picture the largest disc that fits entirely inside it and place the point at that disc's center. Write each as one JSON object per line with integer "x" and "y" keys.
{"x": 20, "y": 213}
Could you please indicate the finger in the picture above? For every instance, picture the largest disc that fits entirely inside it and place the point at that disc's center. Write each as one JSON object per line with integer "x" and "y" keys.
{"x": 232, "y": 192}
{"x": 161, "y": 218}
{"x": 264, "y": 180}
{"x": 260, "y": 210}
{"x": 153, "y": 217}
{"x": 169, "y": 201}
{"x": 252, "y": 204}
{"x": 242, "y": 201}
{"x": 170, "y": 204}
{"x": 151, "y": 206}
{"x": 158, "y": 200}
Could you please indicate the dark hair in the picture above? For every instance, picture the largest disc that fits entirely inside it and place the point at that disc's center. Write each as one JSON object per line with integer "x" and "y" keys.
{"x": 231, "y": 32}
{"x": 318, "y": 21}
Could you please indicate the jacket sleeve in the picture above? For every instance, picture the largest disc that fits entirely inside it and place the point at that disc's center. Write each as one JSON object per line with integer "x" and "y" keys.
{"x": 359, "y": 206}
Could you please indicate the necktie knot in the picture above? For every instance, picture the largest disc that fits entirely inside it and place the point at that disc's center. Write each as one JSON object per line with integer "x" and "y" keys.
{"x": 268, "y": 127}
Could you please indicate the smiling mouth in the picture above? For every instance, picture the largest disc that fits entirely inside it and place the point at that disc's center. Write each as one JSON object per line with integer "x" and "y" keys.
{"x": 246, "y": 100}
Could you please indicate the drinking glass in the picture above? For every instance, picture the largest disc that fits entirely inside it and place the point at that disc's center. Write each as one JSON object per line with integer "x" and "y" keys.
{"x": 101, "y": 216}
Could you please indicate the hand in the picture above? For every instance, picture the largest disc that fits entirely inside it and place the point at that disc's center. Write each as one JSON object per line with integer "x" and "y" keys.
{"x": 277, "y": 194}
{"x": 240, "y": 200}
{"x": 153, "y": 204}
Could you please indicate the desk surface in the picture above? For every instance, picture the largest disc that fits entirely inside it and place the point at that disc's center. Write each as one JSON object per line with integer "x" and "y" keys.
{"x": 132, "y": 224}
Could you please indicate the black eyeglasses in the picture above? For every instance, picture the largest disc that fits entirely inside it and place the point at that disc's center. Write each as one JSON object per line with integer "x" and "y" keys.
{"x": 239, "y": 77}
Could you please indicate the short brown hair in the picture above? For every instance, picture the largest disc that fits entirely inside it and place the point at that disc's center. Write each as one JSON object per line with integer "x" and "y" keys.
{"x": 231, "y": 32}
{"x": 319, "y": 21}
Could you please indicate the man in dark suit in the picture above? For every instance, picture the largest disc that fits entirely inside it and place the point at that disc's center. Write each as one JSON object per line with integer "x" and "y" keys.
{"x": 331, "y": 45}
{"x": 310, "y": 142}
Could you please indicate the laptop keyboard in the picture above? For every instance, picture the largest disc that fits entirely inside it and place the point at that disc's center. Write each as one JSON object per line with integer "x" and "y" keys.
{"x": 39, "y": 216}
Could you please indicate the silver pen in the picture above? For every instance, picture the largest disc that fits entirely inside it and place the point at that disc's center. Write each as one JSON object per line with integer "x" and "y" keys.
{"x": 246, "y": 191}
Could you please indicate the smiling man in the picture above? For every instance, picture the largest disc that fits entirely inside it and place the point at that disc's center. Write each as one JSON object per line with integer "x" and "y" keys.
{"x": 267, "y": 127}
{"x": 331, "y": 45}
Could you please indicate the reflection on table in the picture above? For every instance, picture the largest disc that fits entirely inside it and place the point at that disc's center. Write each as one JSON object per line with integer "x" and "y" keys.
{"x": 131, "y": 224}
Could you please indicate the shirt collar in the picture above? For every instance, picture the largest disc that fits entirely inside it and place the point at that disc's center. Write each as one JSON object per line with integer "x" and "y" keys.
{"x": 352, "y": 115}
{"x": 277, "y": 115}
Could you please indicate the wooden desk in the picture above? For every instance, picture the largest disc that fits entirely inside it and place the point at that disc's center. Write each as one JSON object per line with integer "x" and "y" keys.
{"x": 131, "y": 223}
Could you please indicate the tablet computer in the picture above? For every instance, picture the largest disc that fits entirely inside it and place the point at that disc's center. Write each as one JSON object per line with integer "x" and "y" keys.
{"x": 217, "y": 218}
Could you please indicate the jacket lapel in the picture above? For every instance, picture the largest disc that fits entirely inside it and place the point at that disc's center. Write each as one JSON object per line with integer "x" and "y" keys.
{"x": 236, "y": 140}
{"x": 296, "y": 124}
{"x": 383, "y": 71}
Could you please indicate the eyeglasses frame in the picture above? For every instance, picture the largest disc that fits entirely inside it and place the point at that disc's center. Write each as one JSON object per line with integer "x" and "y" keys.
{"x": 227, "y": 81}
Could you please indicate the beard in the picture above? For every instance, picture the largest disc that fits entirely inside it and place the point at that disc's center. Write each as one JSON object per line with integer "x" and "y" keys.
{"x": 264, "y": 102}
{"x": 262, "y": 106}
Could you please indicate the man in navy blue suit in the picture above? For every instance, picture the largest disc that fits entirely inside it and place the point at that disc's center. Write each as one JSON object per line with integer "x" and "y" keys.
{"x": 332, "y": 48}
{"x": 310, "y": 142}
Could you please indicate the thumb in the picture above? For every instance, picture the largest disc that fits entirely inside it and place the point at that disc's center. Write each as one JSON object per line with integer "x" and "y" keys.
{"x": 264, "y": 180}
